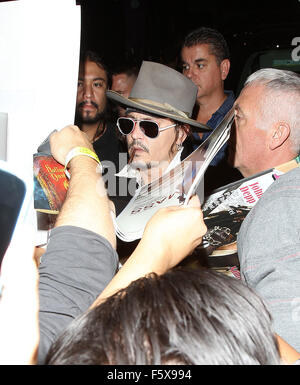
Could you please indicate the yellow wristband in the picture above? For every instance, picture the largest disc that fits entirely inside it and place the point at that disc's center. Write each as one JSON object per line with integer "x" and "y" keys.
{"x": 80, "y": 151}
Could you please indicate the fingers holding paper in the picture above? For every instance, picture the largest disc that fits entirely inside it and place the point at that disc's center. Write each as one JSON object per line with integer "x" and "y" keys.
{"x": 176, "y": 230}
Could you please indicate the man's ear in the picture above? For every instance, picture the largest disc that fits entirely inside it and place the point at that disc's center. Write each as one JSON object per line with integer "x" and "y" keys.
{"x": 279, "y": 134}
{"x": 224, "y": 67}
{"x": 182, "y": 133}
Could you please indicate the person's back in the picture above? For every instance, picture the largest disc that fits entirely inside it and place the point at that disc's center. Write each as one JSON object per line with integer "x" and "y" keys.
{"x": 267, "y": 134}
{"x": 182, "y": 317}
{"x": 268, "y": 249}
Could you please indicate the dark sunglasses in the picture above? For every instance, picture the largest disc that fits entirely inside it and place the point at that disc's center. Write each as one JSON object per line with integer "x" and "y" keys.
{"x": 149, "y": 127}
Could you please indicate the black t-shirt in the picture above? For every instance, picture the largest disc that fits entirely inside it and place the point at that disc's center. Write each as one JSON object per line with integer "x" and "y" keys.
{"x": 109, "y": 146}
{"x": 112, "y": 152}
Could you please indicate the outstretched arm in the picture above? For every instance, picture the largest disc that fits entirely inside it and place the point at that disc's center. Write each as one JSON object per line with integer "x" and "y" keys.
{"x": 170, "y": 235}
{"x": 80, "y": 259}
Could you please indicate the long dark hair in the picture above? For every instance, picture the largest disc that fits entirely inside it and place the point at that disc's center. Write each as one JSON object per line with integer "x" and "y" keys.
{"x": 110, "y": 113}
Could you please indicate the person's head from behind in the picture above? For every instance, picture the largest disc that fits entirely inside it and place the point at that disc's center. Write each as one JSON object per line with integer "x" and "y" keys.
{"x": 205, "y": 60}
{"x": 182, "y": 317}
{"x": 93, "y": 81}
{"x": 157, "y": 117}
{"x": 267, "y": 121}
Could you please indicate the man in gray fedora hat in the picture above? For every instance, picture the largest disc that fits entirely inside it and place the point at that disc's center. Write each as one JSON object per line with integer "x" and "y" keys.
{"x": 157, "y": 120}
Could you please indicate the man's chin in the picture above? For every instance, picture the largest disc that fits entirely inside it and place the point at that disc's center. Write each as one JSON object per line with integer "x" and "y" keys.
{"x": 89, "y": 118}
{"x": 90, "y": 121}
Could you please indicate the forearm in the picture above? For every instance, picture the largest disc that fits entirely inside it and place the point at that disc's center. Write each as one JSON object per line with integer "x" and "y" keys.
{"x": 160, "y": 249}
{"x": 144, "y": 260}
{"x": 87, "y": 205}
{"x": 76, "y": 267}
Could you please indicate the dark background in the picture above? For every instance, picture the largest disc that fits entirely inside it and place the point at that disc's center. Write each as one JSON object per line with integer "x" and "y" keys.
{"x": 153, "y": 29}
{"x": 122, "y": 30}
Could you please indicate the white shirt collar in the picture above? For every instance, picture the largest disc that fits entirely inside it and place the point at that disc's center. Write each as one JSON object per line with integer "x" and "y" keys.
{"x": 130, "y": 172}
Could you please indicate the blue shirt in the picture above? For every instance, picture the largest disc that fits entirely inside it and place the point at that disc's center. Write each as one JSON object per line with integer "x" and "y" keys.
{"x": 213, "y": 122}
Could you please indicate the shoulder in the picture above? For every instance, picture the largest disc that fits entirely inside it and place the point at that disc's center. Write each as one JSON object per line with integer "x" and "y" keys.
{"x": 280, "y": 197}
{"x": 273, "y": 221}
{"x": 282, "y": 190}
{"x": 290, "y": 178}
{"x": 229, "y": 101}
{"x": 230, "y": 95}
{"x": 285, "y": 186}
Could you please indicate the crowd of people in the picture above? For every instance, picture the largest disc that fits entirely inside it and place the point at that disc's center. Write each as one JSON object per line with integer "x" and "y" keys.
{"x": 97, "y": 300}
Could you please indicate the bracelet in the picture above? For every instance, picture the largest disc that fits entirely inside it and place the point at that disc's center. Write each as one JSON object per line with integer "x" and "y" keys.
{"x": 80, "y": 151}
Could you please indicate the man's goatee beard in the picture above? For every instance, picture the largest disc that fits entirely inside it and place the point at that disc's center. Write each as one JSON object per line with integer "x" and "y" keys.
{"x": 100, "y": 117}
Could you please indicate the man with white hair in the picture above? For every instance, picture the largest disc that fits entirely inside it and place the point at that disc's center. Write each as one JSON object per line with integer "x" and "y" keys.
{"x": 267, "y": 121}
{"x": 267, "y": 134}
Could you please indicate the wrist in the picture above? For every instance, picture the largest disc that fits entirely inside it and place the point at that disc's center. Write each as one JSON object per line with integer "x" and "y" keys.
{"x": 150, "y": 260}
{"x": 81, "y": 153}
{"x": 81, "y": 166}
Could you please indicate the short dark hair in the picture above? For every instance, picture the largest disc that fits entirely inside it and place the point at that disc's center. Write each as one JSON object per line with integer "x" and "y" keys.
{"x": 127, "y": 70}
{"x": 206, "y": 35}
{"x": 181, "y": 317}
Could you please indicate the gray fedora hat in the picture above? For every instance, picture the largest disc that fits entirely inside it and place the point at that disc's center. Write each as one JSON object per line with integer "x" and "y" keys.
{"x": 162, "y": 91}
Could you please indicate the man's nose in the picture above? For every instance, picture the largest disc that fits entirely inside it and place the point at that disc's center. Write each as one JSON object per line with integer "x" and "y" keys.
{"x": 189, "y": 72}
{"x": 87, "y": 91}
{"x": 137, "y": 133}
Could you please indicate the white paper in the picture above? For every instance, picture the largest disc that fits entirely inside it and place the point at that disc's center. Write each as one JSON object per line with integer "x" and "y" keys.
{"x": 175, "y": 187}
{"x": 39, "y": 55}
{"x": 39, "y": 61}
{"x": 3, "y": 135}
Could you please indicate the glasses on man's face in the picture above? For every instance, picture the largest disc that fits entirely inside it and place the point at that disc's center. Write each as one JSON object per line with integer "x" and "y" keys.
{"x": 149, "y": 127}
